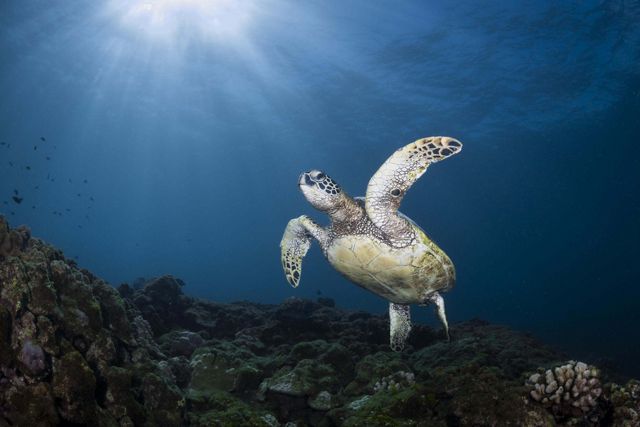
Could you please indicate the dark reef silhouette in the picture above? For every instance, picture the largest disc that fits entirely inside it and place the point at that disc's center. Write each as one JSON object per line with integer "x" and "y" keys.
{"x": 76, "y": 351}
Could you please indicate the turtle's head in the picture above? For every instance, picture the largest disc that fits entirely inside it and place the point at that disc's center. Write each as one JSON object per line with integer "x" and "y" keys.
{"x": 320, "y": 190}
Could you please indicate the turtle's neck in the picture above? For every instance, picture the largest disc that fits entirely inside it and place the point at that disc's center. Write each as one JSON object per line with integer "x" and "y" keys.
{"x": 347, "y": 211}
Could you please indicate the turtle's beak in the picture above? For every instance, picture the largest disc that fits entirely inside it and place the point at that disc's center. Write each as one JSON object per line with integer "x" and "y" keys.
{"x": 305, "y": 179}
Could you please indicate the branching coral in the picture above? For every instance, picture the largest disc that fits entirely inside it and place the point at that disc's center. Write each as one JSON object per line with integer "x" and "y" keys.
{"x": 571, "y": 389}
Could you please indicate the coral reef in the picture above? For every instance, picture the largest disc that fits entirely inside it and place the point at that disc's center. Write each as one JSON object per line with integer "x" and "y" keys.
{"x": 569, "y": 390}
{"x": 72, "y": 350}
{"x": 395, "y": 382}
{"x": 76, "y": 351}
{"x": 12, "y": 242}
{"x": 626, "y": 403}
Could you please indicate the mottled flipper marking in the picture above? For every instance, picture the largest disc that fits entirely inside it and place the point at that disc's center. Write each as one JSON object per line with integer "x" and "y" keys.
{"x": 399, "y": 324}
{"x": 295, "y": 244}
{"x": 389, "y": 184}
{"x": 437, "y": 299}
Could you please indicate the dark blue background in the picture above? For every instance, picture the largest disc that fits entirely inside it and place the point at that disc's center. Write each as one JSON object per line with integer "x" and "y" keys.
{"x": 192, "y": 120}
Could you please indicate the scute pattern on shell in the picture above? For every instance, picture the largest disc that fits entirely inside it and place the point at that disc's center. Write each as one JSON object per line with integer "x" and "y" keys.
{"x": 404, "y": 276}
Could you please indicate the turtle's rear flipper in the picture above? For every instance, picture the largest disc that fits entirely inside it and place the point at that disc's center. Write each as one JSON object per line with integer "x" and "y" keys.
{"x": 437, "y": 299}
{"x": 399, "y": 324}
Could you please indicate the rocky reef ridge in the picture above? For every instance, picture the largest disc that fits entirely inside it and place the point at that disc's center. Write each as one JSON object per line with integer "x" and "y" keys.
{"x": 76, "y": 351}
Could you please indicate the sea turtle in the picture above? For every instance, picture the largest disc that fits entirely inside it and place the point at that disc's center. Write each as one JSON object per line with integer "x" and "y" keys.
{"x": 370, "y": 242}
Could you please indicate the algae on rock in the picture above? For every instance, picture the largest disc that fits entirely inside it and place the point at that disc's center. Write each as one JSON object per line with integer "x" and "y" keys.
{"x": 73, "y": 351}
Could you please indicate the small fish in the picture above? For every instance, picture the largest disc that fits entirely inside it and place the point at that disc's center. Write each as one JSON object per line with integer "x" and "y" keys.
{"x": 33, "y": 207}
{"x": 17, "y": 199}
{"x": 48, "y": 158}
{"x": 11, "y": 163}
{"x": 3, "y": 143}
{"x": 15, "y": 191}
{"x": 36, "y": 187}
{"x": 35, "y": 148}
{"x": 85, "y": 181}
{"x": 91, "y": 198}
{"x": 79, "y": 194}
{"x": 70, "y": 181}
{"x": 68, "y": 210}
{"x": 13, "y": 213}
{"x": 42, "y": 138}
{"x": 28, "y": 168}
{"x": 4, "y": 202}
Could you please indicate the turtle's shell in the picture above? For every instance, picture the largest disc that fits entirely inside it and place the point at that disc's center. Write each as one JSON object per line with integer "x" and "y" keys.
{"x": 401, "y": 275}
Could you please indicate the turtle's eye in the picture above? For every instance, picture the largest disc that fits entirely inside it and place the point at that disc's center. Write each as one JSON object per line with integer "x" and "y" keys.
{"x": 320, "y": 176}
{"x": 395, "y": 192}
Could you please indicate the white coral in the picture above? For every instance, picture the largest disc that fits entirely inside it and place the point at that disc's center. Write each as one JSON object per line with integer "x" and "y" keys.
{"x": 572, "y": 385}
{"x": 394, "y": 382}
{"x": 270, "y": 420}
{"x": 357, "y": 404}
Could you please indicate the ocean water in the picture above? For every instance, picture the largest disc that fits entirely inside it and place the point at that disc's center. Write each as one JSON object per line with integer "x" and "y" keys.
{"x": 153, "y": 137}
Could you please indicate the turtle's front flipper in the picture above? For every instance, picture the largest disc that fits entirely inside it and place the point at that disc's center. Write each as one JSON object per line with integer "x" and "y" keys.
{"x": 389, "y": 184}
{"x": 437, "y": 299}
{"x": 295, "y": 244}
{"x": 399, "y": 325}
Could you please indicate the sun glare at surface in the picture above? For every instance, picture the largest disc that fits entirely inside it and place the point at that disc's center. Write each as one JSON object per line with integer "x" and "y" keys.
{"x": 176, "y": 21}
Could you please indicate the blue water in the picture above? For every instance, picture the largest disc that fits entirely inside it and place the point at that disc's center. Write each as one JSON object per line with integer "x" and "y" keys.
{"x": 191, "y": 121}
